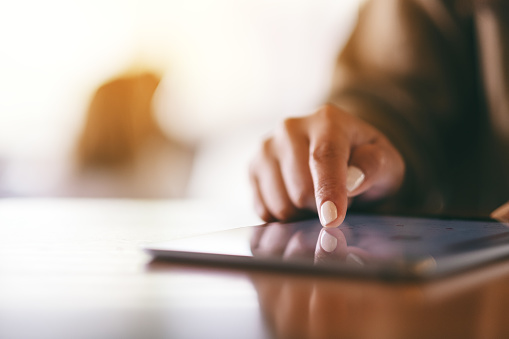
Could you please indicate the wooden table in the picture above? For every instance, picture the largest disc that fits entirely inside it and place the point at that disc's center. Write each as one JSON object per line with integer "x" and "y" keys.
{"x": 74, "y": 269}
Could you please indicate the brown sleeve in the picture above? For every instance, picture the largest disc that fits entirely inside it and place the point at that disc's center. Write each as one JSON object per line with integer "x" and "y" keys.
{"x": 407, "y": 70}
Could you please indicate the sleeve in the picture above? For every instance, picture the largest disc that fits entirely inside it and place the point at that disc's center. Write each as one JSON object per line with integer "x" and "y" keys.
{"x": 407, "y": 69}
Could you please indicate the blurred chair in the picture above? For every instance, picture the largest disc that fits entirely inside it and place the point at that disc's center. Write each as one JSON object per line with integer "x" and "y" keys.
{"x": 122, "y": 152}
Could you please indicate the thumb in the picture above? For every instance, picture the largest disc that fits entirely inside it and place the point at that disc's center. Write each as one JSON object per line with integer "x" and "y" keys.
{"x": 375, "y": 170}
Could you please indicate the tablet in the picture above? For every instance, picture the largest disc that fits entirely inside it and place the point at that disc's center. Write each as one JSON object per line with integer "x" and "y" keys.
{"x": 388, "y": 247}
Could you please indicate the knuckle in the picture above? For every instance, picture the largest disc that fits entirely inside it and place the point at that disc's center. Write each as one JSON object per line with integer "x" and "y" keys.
{"x": 327, "y": 112}
{"x": 290, "y": 125}
{"x": 287, "y": 131}
{"x": 324, "y": 152}
{"x": 325, "y": 189}
{"x": 333, "y": 124}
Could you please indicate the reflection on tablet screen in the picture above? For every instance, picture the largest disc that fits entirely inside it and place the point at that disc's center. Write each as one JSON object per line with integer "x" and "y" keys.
{"x": 388, "y": 246}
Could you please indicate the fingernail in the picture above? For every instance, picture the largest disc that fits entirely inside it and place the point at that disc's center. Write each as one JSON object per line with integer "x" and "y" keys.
{"x": 354, "y": 178}
{"x": 328, "y": 242}
{"x": 329, "y": 212}
{"x": 354, "y": 259}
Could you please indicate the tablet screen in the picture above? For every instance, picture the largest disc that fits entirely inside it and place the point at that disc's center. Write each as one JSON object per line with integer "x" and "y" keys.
{"x": 393, "y": 247}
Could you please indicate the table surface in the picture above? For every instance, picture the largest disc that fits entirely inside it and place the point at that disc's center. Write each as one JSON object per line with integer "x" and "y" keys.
{"x": 74, "y": 269}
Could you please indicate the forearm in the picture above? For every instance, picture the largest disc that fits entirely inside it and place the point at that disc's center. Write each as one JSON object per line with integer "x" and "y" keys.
{"x": 398, "y": 73}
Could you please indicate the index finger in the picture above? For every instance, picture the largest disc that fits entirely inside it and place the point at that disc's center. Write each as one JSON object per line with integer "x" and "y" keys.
{"x": 333, "y": 134}
{"x": 329, "y": 151}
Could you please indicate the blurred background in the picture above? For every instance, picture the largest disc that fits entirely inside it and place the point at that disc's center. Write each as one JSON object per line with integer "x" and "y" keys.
{"x": 153, "y": 98}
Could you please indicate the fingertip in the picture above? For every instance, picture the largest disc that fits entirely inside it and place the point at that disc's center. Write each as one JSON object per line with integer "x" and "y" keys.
{"x": 264, "y": 214}
{"x": 330, "y": 215}
{"x": 259, "y": 205}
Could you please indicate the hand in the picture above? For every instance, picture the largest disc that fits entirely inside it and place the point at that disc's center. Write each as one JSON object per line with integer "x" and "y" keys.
{"x": 315, "y": 163}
